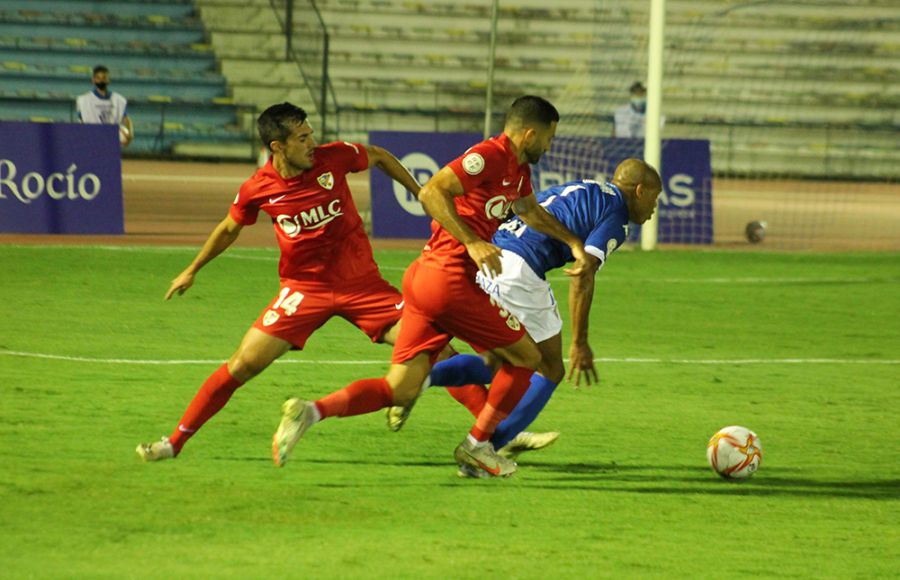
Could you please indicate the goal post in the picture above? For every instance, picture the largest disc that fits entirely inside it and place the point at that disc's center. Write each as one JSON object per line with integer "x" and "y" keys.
{"x": 652, "y": 135}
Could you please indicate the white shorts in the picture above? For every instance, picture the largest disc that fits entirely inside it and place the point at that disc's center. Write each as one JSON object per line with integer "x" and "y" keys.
{"x": 524, "y": 294}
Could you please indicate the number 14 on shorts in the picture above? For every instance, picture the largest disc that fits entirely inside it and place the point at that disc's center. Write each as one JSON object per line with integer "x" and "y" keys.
{"x": 288, "y": 301}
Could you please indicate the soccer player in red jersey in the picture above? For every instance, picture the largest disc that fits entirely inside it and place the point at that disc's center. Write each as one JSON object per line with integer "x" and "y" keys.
{"x": 326, "y": 265}
{"x": 467, "y": 199}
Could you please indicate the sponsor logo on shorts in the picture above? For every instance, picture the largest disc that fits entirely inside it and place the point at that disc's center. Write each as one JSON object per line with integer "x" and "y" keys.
{"x": 473, "y": 163}
{"x": 270, "y": 318}
{"x": 400, "y": 305}
{"x": 507, "y": 182}
{"x": 326, "y": 180}
{"x": 611, "y": 245}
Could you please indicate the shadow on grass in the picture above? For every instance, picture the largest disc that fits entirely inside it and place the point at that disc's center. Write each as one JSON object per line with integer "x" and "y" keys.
{"x": 700, "y": 480}
{"x": 642, "y": 479}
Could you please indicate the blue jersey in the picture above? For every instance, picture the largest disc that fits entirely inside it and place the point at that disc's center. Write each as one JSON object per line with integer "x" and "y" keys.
{"x": 595, "y": 212}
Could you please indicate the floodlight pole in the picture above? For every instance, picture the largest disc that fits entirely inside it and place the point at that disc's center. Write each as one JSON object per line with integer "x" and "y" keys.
{"x": 489, "y": 94}
{"x": 652, "y": 132}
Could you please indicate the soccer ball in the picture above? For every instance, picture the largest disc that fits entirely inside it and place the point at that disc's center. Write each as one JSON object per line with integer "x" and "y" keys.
{"x": 755, "y": 232}
{"x": 734, "y": 452}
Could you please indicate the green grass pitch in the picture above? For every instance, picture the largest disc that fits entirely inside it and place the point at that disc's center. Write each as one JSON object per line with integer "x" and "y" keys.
{"x": 801, "y": 348}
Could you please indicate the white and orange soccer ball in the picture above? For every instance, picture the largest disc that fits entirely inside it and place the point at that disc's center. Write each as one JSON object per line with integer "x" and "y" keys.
{"x": 734, "y": 452}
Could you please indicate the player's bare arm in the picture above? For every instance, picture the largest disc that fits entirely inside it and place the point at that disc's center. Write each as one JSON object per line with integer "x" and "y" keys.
{"x": 581, "y": 294}
{"x": 391, "y": 166}
{"x": 218, "y": 241}
{"x": 436, "y": 197}
{"x": 538, "y": 218}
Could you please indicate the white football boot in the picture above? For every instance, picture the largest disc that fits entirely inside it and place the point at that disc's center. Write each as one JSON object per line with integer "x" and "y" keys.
{"x": 297, "y": 416}
{"x": 397, "y": 416}
{"x": 526, "y": 441}
{"x": 156, "y": 451}
{"x": 485, "y": 458}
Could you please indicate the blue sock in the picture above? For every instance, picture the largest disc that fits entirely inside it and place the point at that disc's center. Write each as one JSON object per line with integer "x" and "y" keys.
{"x": 526, "y": 411}
{"x": 459, "y": 370}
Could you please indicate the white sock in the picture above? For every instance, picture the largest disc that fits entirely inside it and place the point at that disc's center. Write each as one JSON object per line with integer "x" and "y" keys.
{"x": 475, "y": 442}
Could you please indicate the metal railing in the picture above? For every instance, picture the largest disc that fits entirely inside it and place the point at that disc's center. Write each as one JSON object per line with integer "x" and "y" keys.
{"x": 307, "y": 43}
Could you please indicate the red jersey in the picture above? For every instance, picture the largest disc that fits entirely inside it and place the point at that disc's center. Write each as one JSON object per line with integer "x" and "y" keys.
{"x": 492, "y": 179}
{"x": 319, "y": 230}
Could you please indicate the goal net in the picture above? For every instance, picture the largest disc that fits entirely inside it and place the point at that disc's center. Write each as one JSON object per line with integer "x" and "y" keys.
{"x": 795, "y": 99}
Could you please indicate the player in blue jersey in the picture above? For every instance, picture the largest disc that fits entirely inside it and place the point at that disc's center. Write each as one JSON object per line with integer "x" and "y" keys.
{"x": 598, "y": 213}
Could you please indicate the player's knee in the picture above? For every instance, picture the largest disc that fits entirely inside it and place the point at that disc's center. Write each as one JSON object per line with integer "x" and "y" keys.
{"x": 529, "y": 358}
{"x": 553, "y": 370}
{"x": 244, "y": 367}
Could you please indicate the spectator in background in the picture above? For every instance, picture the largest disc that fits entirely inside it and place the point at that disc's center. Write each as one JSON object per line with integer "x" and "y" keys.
{"x": 629, "y": 119}
{"x": 101, "y": 106}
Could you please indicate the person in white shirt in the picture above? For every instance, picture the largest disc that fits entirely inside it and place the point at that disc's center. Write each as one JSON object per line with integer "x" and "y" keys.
{"x": 101, "y": 106}
{"x": 629, "y": 119}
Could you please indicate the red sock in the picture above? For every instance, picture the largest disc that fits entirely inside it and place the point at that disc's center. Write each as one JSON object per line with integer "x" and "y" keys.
{"x": 510, "y": 384}
{"x": 211, "y": 397}
{"x": 357, "y": 398}
{"x": 472, "y": 396}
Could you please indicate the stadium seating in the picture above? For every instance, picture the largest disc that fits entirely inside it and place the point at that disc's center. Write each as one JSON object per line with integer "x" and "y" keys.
{"x": 158, "y": 59}
{"x": 783, "y": 88}
{"x": 759, "y": 83}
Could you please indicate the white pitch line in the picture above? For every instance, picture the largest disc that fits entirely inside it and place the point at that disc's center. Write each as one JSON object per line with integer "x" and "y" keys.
{"x": 679, "y": 361}
{"x": 187, "y": 178}
{"x": 265, "y": 255}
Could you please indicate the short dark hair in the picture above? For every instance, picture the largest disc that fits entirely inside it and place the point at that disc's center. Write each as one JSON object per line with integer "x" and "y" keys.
{"x": 530, "y": 110}
{"x": 100, "y": 68}
{"x": 637, "y": 87}
{"x": 277, "y": 122}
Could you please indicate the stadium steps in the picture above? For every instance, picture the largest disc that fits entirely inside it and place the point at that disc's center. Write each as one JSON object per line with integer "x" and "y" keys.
{"x": 159, "y": 56}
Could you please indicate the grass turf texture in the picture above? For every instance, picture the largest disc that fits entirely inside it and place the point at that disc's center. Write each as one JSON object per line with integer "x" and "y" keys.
{"x": 625, "y": 492}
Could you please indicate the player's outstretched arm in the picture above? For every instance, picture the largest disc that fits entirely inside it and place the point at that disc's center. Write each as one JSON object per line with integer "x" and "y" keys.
{"x": 218, "y": 241}
{"x": 391, "y": 166}
{"x": 581, "y": 294}
{"x": 436, "y": 197}
{"x": 538, "y": 218}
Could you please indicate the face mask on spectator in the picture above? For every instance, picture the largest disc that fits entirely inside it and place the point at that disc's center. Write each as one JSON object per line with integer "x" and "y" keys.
{"x": 639, "y": 104}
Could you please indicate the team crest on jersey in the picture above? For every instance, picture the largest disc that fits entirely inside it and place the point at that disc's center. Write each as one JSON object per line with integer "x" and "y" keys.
{"x": 611, "y": 245}
{"x": 326, "y": 180}
{"x": 473, "y": 163}
{"x": 270, "y": 318}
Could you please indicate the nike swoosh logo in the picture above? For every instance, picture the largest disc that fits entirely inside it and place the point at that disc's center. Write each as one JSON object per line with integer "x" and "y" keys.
{"x": 277, "y": 199}
{"x": 506, "y": 182}
{"x": 495, "y": 471}
{"x": 183, "y": 429}
{"x": 399, "y": 306}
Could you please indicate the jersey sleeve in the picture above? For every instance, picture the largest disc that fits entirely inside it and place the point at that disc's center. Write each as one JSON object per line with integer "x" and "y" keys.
{"x": 606, "y": 237}
{"x": 482, "y": 163}
{"x": 352, "y": 157}
{"x": 245, "y": 209}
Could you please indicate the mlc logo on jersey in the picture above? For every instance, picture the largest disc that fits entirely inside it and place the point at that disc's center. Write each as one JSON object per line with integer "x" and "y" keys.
{"x": 497, "y": 207}
{"x": 326, "y": 180}
{"x": 313, "y": 219}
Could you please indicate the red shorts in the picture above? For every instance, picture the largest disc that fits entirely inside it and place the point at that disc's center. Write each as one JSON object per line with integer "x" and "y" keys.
{"x": 441, "y": 305}
{"x": 373, "y": 306}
